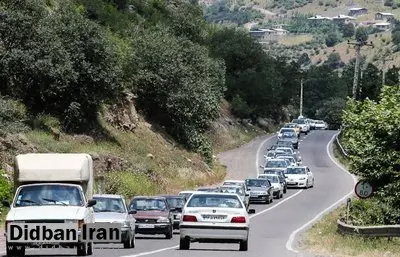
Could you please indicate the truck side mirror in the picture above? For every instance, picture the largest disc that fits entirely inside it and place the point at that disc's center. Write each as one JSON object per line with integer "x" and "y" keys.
{"x": 91, "y": 203}
{"x": 6, "y": 203}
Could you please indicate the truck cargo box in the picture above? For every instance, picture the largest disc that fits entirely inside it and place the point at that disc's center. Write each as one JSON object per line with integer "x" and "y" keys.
{"x": 45, "y": 167}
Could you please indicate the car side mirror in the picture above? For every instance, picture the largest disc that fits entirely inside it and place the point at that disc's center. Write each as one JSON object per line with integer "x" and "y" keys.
{"x": 251, "y": 211}
{"x": 132, "y": 212}
{"x": 91, "y": 203}
{"x": 286, "y": 176}
{"x": 6, "y": 203}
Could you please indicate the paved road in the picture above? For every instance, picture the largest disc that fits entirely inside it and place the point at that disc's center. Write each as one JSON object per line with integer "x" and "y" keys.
{"x": 274, "y": 227}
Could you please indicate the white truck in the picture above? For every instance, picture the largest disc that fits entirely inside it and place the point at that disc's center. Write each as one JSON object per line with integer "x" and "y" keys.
{"x": 52, "y": 188}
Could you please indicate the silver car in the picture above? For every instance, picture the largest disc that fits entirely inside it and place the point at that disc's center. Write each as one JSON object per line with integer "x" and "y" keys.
{"x": 291, "y": 137}
{"x": 261, "y": 190}
{"x": 112, "y": 209}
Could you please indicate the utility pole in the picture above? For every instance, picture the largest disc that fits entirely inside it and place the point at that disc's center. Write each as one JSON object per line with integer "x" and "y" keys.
{"x": 301, "y": 97}
{"x": 357, "y": 46}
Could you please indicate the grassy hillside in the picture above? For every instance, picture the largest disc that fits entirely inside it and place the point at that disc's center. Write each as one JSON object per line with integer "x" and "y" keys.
{"x": 142, "y": 161}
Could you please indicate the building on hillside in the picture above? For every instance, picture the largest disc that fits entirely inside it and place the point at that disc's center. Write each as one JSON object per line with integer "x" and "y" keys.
{"x": 383, "y": 26}
{"x": 258, "y": 34}
{"x": 384, "y": 16}
{"x": 320, "y": 18}
{"x": 354, "y": 12}
{"x": 343, "y": 19}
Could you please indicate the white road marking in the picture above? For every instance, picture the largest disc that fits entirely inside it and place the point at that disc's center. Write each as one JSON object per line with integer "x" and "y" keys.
{"x": 291, "y": 240}
{"x": 259, "y": 150}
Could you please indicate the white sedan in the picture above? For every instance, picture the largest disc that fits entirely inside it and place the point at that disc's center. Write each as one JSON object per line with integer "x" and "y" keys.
{"x": 214, "y": 218}
{"x": 299, "y": 176}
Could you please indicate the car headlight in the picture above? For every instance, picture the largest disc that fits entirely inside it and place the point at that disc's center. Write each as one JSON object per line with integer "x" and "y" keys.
{"x": 162, "y": 220}
{"x": 302, "y": 178}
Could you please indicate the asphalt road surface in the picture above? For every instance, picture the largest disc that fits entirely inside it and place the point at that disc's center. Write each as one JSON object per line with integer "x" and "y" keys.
{"x": 275, "y": 228}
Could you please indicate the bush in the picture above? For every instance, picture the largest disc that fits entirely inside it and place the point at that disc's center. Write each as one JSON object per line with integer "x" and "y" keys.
{"x": 12, "y": 116}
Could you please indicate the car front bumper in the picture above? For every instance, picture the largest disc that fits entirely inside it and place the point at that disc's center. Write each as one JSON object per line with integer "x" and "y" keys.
{"x": 259, "y": 198}
{"x": 152, "y": 229}
{"x": 217, "y": 233}
{"x": 297, "y": 183}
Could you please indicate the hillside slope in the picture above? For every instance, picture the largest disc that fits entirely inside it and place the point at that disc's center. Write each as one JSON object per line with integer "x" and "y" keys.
{"x": 141, "y": 159}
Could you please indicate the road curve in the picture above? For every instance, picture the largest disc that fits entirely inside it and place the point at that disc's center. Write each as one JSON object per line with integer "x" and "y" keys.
{"x": 275, "y": 227}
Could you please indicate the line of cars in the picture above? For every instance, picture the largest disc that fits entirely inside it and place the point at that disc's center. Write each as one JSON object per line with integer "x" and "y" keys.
{"x": 305, "y": 125}
{"x": 213, "y": 214}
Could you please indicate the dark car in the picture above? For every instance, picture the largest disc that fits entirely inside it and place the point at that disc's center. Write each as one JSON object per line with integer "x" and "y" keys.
{"x": 153, "y": 215}
{"x": 176, "y": 202}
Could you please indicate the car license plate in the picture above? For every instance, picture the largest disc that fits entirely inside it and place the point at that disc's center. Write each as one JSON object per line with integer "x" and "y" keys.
{"x": 291, "y": 183}
{"x": 146, "y": 226}
{"x": 213, "y": 217}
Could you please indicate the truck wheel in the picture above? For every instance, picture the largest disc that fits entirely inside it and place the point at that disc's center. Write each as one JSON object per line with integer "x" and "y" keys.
{"x": 81, "y": 249}
{"x": 90, "y": 249}
{"x": 15, "y": 250}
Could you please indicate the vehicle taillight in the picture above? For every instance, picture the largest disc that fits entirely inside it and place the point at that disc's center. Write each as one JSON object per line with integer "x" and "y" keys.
{"x": 240, "y": 219}
{"x": 189, "y": 218}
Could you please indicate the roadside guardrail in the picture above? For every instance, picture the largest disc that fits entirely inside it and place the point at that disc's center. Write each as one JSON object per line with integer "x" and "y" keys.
{"x": 342, "y": 150}
{"x": 368, "y": 231}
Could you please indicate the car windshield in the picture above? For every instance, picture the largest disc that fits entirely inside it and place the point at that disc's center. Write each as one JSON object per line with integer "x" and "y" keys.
{"x": 231, "y": 183}
{"x": 270, "y": 154}
{"x": 290, "y": 126}
{"x": 215, "y": 201}
{"x": 186, "y": 195}
{"x": 296, "y": 171}
{"x": 176, "y": 202}
{"x": 231, "y": 190}
{"x": 276, "y": 164}
{"x": 34, "y": 195}
{"x": 285, "y": 150}
{"x": 105, "y": 204}
{"x": 288, "y": 135}
{"x": 299, "y": 121}
{"x": 273, "y": 179}
{"x": 319, "y": 122}
{"x": 286, "y": 130}
{"x": 148, "y": 204}
{"x": 257, "y": 183}
{"x": 211, "y": 189}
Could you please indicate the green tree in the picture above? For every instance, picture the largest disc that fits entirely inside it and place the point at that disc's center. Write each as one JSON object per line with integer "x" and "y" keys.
{"x": 331, "y": 39}
{"x": 178, "y": 84}
{"x": 371, "y": 82}
{"x": 348, "y": 29}
{"x": 372, "y": 138}
{"x": 304, "y": 59}
{"x": 334, "y": 61}
{"x": 361, "y": 34}
{"x": 392, "y": 76}
{"x": 331, "y": 111}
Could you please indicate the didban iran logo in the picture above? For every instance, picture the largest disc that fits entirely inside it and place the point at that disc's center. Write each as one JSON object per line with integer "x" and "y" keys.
{"x": 63, "y": 232}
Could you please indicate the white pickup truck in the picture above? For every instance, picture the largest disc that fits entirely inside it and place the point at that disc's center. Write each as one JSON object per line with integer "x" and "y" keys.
{"x": 52, "y": 188}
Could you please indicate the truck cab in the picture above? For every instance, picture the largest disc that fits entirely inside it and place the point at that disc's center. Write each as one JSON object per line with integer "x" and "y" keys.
{"x": 52, "y": 188}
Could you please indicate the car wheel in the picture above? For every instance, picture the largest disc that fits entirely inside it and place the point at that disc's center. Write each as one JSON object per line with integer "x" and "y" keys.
{"x": 128, "y": 243}
{"x": 281, "y": 195}
{"x": 306, "y": 133}
{"x": 285, "y": 190}
{"x": 81, "y": 249}
{"x": 170, "y": 233}
{"x": 243, "y": 245}
{"x": 184, "y": 244}
{"x": 90, "y": 249}
{"x": 306, "y": 186}
{"x": 271, "y": 199}
{"x": 278, "y": 195}
{"x": 312, "y": 185}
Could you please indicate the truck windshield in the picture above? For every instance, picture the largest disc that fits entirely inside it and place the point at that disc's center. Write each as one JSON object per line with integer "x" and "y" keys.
{"x": 34, "y": 195}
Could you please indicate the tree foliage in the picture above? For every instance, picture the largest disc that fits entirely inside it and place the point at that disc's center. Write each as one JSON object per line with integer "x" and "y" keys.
{"x": 372, "y": 137}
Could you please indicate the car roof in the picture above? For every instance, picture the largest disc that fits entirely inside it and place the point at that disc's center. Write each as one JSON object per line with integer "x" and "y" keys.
{"x": 171, "y": 196}
{"x": 235, "y": 186}
{"x": 148, "y": 197}
{"x": 111, "y": 196}
{"x": 263, "y": 174}
{"x": 292, "y": 166}
{"x": 235, "y": 181}
{"x": 257, "y": 178}
{"x": 214, "y": 193}
{"x": 187, "y": 192}
{"x": 275, "y": 159}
